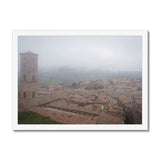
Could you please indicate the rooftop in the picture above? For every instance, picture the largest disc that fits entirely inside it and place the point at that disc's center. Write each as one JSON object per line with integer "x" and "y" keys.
{"x": 28, "y": 53}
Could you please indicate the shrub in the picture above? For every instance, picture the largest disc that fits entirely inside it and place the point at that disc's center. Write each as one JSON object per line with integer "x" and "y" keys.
{"x": 29, "y": 117}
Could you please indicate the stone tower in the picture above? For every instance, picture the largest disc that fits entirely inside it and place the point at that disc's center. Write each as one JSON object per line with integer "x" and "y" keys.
{"x": 28, "y": 80}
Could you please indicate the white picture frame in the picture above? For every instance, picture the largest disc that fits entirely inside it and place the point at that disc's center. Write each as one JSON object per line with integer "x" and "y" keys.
{"x": 100, "y": 127}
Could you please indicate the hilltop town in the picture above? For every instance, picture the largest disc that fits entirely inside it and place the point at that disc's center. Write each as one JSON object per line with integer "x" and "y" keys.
{"x": 116, "y": 101}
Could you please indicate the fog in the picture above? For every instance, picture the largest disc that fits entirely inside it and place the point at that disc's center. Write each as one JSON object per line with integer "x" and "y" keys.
{"x": 106, "y": 53}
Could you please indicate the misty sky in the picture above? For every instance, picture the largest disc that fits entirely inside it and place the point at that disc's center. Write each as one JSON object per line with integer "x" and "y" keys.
{"x": 118, "y": 53}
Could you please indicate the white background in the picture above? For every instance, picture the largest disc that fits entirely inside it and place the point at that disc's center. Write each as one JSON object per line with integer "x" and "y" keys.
{"x": 78, "y": 15}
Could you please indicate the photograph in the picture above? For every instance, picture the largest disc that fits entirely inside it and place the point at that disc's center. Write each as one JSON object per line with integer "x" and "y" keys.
{"x": 80, "y": 80}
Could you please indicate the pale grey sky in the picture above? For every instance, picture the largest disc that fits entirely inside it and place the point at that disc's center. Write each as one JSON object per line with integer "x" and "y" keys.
{"x": 122, "y": 53}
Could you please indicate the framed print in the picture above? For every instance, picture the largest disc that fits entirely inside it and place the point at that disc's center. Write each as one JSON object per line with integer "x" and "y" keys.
{"x": 80, "y": 80}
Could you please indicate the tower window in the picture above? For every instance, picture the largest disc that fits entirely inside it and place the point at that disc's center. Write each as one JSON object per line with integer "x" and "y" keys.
{"x": 33, "y": 78}
{"x": 33, "y": 67}
{"x": 24, "y": 67}
{"x": 33, "y": 94}
{"x": 24, "y": 94}
{"x": 24, "y": 77}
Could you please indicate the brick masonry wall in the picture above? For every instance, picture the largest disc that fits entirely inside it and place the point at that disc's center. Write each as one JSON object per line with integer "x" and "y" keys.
{"x": 28, "y": 80}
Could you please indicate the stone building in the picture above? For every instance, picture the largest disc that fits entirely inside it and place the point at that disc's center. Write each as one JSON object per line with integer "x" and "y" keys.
{"x": 28, "y": 80}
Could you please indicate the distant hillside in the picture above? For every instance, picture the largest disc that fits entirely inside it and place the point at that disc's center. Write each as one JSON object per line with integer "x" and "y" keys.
{"x": 68, "y": 75}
